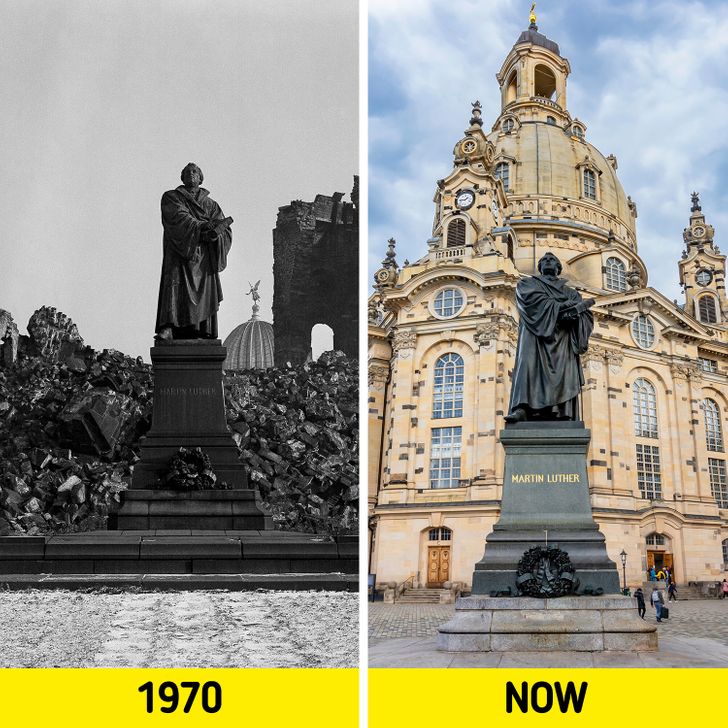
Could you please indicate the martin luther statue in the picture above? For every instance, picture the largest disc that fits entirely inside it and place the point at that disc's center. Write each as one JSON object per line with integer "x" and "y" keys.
{"x": 197, "y": 239}
{"x": 554, "y": 329}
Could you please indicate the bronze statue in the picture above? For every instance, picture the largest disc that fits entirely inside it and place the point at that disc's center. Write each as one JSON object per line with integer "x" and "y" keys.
{"x": 554, "y": 329}
{"x": 197, "y": 239}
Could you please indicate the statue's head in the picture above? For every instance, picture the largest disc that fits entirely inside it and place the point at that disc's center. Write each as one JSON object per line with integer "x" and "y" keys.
{"x": 550, "y": 265}
{"x": 188, "y": 172}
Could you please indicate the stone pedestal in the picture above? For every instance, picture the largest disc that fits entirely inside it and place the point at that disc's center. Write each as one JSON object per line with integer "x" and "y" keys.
{"x": 188, "y": 411}
{"x": 525, "y": 624}
{"x": 545, "y": 488}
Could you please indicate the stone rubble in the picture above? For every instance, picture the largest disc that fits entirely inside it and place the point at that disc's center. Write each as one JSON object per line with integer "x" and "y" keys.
{"x": 71, "y": 419}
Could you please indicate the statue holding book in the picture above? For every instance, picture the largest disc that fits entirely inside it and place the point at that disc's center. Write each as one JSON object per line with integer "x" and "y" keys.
{"x": 554, "y": 329}
{"x": 197, "y": 239}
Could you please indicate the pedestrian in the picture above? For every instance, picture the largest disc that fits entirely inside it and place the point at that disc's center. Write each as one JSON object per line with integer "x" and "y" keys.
{"x": 657, "y": 602}
{"x": 639, "y": 595}
{"x": 668, "y": 576}
{"x": 660, "y": 575}
{"x": 652, "y": 574}
{"x": 724, "y": 589}
{"x": 671, "y": 591}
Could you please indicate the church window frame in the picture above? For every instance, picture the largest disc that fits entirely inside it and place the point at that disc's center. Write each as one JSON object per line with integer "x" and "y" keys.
{"x": 615, "y": 274}
{"x": 713, "y": 429}
{"x": 457, "y": 233}
{"x": 589, "y": 182}
{"x": 649, "y": 476}
{"x": 445, "y": 457}
{"x": 508, "y": 125}
{"x": 718, "y": 481}
{"x": 448, "y": 303}
{"x": 655, "y": 539}
{"x": 441, "y": 533}
{"x": 503, "y": 173}
{"x": 578, "y": 132}
{"x": 724, "y": 548}
{"x": 644, "y": 408}
{"x": 643, "y": 331}
{"x": 708, "y": 365}
{"x": 707, "y": 309}
{"x": 448, "y": 386}
{"x": 704, "y": 277}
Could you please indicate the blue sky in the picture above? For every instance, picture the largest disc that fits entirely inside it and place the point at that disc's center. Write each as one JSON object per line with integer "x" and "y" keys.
{"x": 647, "y": 78}
{"x": 103, "y": 103}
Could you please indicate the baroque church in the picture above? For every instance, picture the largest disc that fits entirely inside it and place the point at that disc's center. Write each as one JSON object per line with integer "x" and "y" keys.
{"x": 443, "y": 333}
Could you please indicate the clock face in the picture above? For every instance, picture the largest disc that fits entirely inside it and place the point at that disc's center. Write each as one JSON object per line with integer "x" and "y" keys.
{"x": 465, "y": 199}
{"x": 383, "y": 275}
{"x": 468, "y": 146}
{"x": 704, "y": 277}
{"x": 698, "y": 231}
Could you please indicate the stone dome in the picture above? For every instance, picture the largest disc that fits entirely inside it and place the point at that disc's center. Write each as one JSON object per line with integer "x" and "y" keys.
{"x": 549, "y": 163}
{"x": 250, "y": 345}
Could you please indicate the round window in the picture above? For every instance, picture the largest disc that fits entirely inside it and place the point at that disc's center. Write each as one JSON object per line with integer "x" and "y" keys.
{"x": 643, "y": 332}
{"x": 448, "y": 302}
{"x": 704, "y": 277}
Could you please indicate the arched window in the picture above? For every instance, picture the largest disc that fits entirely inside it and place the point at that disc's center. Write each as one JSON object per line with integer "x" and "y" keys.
{"x": 448, "y": 389}
{"x": 643, "y": 332}
{"x": 590, "y": 184}
{"x": 725, "y": 553}
{"x": 713, "y": 432}
{"x": 615, "y": 275}
{"x": 508, "y": 125}
{"x": 707, "y": 311}
{"x": 439, "y": 534}
{"x": 551, "y": 120}
{"x": 577, "y": 132}
{"x": 644, "y": 408}
{"x": 503, "y": 173}
{"x": 512, "y": 87}
{"x": 456, "y": 233}
{"x": 544, "y": 82}
{"x": 655, "y": 539}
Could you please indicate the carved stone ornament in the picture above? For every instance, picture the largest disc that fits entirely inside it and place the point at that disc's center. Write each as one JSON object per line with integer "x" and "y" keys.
{"x": 546, "y": 572}
{"x": 378, "y": 376}
{"x": 496, "y": 327}
{"x": 402, "y": 341}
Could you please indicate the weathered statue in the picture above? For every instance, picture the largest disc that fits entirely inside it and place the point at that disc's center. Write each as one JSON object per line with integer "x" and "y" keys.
{"x": 554, "y": 329}
{"x": 197, "y": 239}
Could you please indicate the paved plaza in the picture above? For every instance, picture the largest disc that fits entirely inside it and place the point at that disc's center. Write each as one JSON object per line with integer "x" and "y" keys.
{"x": 403, "y": 635}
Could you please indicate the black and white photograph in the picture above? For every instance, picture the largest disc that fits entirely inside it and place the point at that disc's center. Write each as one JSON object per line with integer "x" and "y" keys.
{"x": 179, "y": 424}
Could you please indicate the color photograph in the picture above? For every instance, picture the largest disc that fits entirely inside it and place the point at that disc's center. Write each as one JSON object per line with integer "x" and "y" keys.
{"x": 547, "y": 334}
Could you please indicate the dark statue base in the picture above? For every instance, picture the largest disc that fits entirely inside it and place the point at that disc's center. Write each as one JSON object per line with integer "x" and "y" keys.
{"x": 545, "y": 488}
{"x": 189, "y": 411}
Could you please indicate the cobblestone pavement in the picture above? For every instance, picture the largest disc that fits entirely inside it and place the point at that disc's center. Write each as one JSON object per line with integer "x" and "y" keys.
{"x": 695, "y": 618}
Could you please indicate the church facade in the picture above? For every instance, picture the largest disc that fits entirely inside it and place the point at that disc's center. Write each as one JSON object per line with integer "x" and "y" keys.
{"x": 443, "y": 333}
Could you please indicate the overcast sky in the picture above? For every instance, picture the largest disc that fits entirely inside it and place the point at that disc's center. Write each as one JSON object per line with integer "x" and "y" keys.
{"x": 649, "y": 79}
{"x": 104, "y": 102}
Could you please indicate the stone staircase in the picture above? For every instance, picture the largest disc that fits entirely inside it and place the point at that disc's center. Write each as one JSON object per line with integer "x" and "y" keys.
{"x": 694, "y": 590}
{"x": 421, "y": 596}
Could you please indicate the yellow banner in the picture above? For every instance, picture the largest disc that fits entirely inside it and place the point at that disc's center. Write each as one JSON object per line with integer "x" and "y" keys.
{"x": 544, "y": 697}
{"x": 230, "y": 697}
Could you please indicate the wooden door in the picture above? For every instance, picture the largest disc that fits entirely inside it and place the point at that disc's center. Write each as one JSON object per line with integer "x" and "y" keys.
{"x": 667, "y": 563}
{"x": 438, "y": 566}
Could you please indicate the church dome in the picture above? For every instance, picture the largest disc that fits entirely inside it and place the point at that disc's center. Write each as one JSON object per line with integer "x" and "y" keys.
{"x": 250, "y": 345}
{"x": 550, "y": 162}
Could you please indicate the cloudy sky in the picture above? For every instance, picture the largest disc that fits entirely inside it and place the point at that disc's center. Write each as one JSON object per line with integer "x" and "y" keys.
{"x": 104, "y": 102}
{"x": 648, "y": 78}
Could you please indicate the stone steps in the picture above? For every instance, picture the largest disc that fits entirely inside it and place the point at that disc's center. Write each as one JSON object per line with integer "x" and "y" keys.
{"x": 179, "y": 552}
{"x": 421, "y": 596}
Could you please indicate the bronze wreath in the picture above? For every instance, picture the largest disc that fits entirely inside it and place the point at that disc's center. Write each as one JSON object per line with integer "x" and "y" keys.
{"x": 545, "y": 572}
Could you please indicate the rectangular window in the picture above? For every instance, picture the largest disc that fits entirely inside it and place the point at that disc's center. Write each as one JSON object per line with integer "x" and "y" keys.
{"x": 648, "y": 472}
{"x": 590, "y": 184}
{"x": 445, "y": 457}
{"x": 708, "y": 365}
{"x": 718, "y": 486}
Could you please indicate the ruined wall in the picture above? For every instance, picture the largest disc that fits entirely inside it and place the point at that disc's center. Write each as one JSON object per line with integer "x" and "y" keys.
{"x": 316, "y": 274}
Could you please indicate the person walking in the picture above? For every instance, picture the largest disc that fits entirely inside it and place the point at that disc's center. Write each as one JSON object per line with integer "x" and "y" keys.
{"x": 672, "y": 591}
{"x": 653, "y": 576}
{"x": 724, "y": 589}
{"x": 639, "y": 595}
{"x": 657, "y": 602}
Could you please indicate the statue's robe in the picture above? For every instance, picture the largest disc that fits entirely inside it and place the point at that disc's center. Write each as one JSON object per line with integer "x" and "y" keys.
{"x": 548, "y": 372}
{"x": 190, "y": 291}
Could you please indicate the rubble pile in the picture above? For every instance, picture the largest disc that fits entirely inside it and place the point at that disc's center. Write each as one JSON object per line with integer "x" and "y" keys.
{"x": 69, "y": 421}
{"x": 297, "y": 429}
